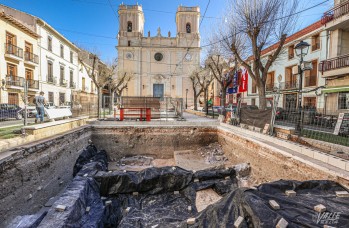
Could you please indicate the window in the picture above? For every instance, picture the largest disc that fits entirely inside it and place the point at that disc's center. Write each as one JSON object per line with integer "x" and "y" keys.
{"x": 28, "y": 74}
{"x": 71, "y": 79}
{"x": 71, "y": 56}
{"x": 315, "y": 42}
{"x": 49, "y": 43}
{"x": 309, "y": 102}
{"x": 11, "y": 44}
{"x": 11, "y": 70}
{"x": 129, "y": 43}
{"x": 311, "y": 75}
{"x": 61, "y": 98}
{"x": 129, "y": 26}
{"x": 83, "y": 84}
{"x": 49, "y": 71}
{"x": 62, "y": 51}
{"x": 188, "y": 28}
{"x": 291, "y": 52}
{"x": 10, "y": 38}
{"x": 291, "y": 79}
{"x": 343, "y": 100}
{"x": 270, "y": 81}
{"x": 50, "y": 97}
{"x": 253, "y": 101}
{"x": 61, "y": 78}
{"x": 28, "y": 51}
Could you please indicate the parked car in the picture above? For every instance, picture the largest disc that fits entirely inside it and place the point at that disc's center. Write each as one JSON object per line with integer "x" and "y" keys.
{"x": 9, "y": 111}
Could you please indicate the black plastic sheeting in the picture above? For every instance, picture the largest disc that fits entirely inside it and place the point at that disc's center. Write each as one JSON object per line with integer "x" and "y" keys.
{"x": 88, "y": 155}
{"x": 253, "y": 206}
{"x": 109, "y": 194}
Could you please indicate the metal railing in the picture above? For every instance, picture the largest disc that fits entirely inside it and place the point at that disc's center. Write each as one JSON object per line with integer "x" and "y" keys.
{"x": 72, "y": 85}
{"x": 336, "y": 12}
{"x": 12, "y": 80}
{"x": 33, "y": 84}
{"x": 13, "y": 50}
{"x": 31, "y": 57}
{"x": 334, "y": 63}
{"x": 51, "y": 79}
{"x": 291, "y": 84}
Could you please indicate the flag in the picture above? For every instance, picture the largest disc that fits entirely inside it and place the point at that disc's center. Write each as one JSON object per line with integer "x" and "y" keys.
{"x": 235, "y": 84}
{"x": 243, "y": 81}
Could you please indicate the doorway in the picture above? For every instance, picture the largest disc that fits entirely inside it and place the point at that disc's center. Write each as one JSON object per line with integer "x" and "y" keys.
{"x": 158, "y": 90}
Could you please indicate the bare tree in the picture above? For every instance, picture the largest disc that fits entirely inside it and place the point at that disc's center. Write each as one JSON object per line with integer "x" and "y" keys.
{"x": 100, "y": 73}
{"x": 219, "y": 67}
{"x": 119, "y": 83}
{"x": 255, "y": 25}
{"x": 197, "y": 89}
{"x": 204, "y": 79}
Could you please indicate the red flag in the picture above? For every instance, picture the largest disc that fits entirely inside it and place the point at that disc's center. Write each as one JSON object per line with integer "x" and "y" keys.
{"x": 244, "y": 81}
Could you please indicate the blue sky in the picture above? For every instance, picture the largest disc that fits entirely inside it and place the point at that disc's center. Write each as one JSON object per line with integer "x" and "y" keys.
{"x": 93, "y": 24}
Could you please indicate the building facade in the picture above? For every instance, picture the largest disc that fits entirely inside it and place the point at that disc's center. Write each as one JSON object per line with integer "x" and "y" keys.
{"x": 161, "y": 64}
{"x": 19, "y": 61}
{"x": 43, "y": 56}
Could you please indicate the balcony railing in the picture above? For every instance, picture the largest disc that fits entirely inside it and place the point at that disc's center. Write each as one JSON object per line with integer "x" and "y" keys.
{"x": 334, "y": 63}
{"x": 336, "y": 12}
{"x": 271, "y": 87}
{"x": 12, "y": 80}
{"x": 63, "y": 83}
{"x": 51, "y": 79}
{"x": 13, "y": 50}
{"x": 33, "y": 84}
{"x": 291, "y": 84}
{"x": 28, "y": 56}
{"x": 72, "y": 85}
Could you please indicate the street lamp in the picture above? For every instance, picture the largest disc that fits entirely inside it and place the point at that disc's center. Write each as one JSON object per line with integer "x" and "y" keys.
{"x": 301, "y": 49}
{"x": 208, "y": 82}
{"x": 186, "y": 99}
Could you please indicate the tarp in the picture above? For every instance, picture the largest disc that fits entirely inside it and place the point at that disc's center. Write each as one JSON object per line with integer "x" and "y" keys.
{"x": 255, "y": 117}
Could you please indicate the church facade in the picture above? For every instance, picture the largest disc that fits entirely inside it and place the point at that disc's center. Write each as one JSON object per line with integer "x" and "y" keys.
{"x": 160, "y": 64}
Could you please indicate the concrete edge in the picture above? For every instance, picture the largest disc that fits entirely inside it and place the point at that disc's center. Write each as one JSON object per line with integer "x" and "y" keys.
{"x": 50, "y": 124}
{"x": 322, "y": 161}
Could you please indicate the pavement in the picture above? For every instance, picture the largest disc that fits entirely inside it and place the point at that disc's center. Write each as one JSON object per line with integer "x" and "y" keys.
{"x": 15, "y": 123}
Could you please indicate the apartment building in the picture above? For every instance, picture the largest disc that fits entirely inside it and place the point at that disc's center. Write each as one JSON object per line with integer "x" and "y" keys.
{"x": 335, "y": 68}
{"x": 19, "y": 61}
{"x": 59, "y": 67}
{"x": 42, "y": 55}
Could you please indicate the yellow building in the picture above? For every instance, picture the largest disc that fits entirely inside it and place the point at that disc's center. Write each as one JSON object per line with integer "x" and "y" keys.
{"x": 18, "y": 60}
{"x": 161, "y": 64}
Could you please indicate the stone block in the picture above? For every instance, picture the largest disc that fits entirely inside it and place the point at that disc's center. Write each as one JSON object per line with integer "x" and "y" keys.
{"x": 238, "y": 222}
{"x": 337, "y": 162}
{"x": 308, "y": 152}
{"x": 274, "y": 204}
{"x": 347, "y": 166}
{"x": 290, "y": 193}
{"x": 342, "y": 194}
{"x": 176, "y": 192}
{"x": 244, "y": 126}
{"x": 189, "y": 208}
{"x": 283, "y": 135}
{"x": 321, "y": 156}
{"x": 257, "y": 129}
{"x": 60, "y": 208}
{"x": 88, "y": 209}
{"x": 319, "y": 208}
{"x": 282, "y": 223}
{"x": 191, "y": 221}
{"x": 196, "y": 180}
{"x": 250, "y": 128}
{"x": 135, "y": 193}
{"x": 108, "y": 202}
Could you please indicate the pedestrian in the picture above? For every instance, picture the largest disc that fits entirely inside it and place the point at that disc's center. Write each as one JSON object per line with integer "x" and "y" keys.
{"x": 39, "y": 102}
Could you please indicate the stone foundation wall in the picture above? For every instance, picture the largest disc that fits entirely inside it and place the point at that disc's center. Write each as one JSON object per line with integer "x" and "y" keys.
{"x": 158, "y": 142}
{"x": 38, "y": 171}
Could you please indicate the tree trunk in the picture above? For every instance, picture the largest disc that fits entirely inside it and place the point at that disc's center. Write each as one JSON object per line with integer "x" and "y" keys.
{"x": 205, "y": 100}
{"x": 195, "y": 102}
{"x": 224, "y": 95}
{"x": 262, "y": 98}
{"x": 99, "y": 102}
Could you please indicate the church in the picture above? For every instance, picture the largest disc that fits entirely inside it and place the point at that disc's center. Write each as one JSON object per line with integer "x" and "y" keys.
{"x": 161, "y": 64}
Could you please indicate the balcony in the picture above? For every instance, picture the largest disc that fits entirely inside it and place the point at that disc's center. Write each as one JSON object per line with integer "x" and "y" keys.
{"x": 63, "y": 83}
{"x": 31, "y": 58}
{"x": 291, "y": 84}
{"x": 334, "y": 18}
{"x": 51, "y": 79}
{"x": 33, "y": 84}
{"x": 72, "y": 85}
{"x": 271, "y": 87}
{"x": 14, "y": 81}
{"x": 14, "y": 52}
{"x": 310, "y": 81}
{"x": 335, "y": 66}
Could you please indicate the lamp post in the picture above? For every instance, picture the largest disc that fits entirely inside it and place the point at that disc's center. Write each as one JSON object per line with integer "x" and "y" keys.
{"x": 186, "y": 99}
{"x": 208, "y": 82}
{"x": 302, "y": 49}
